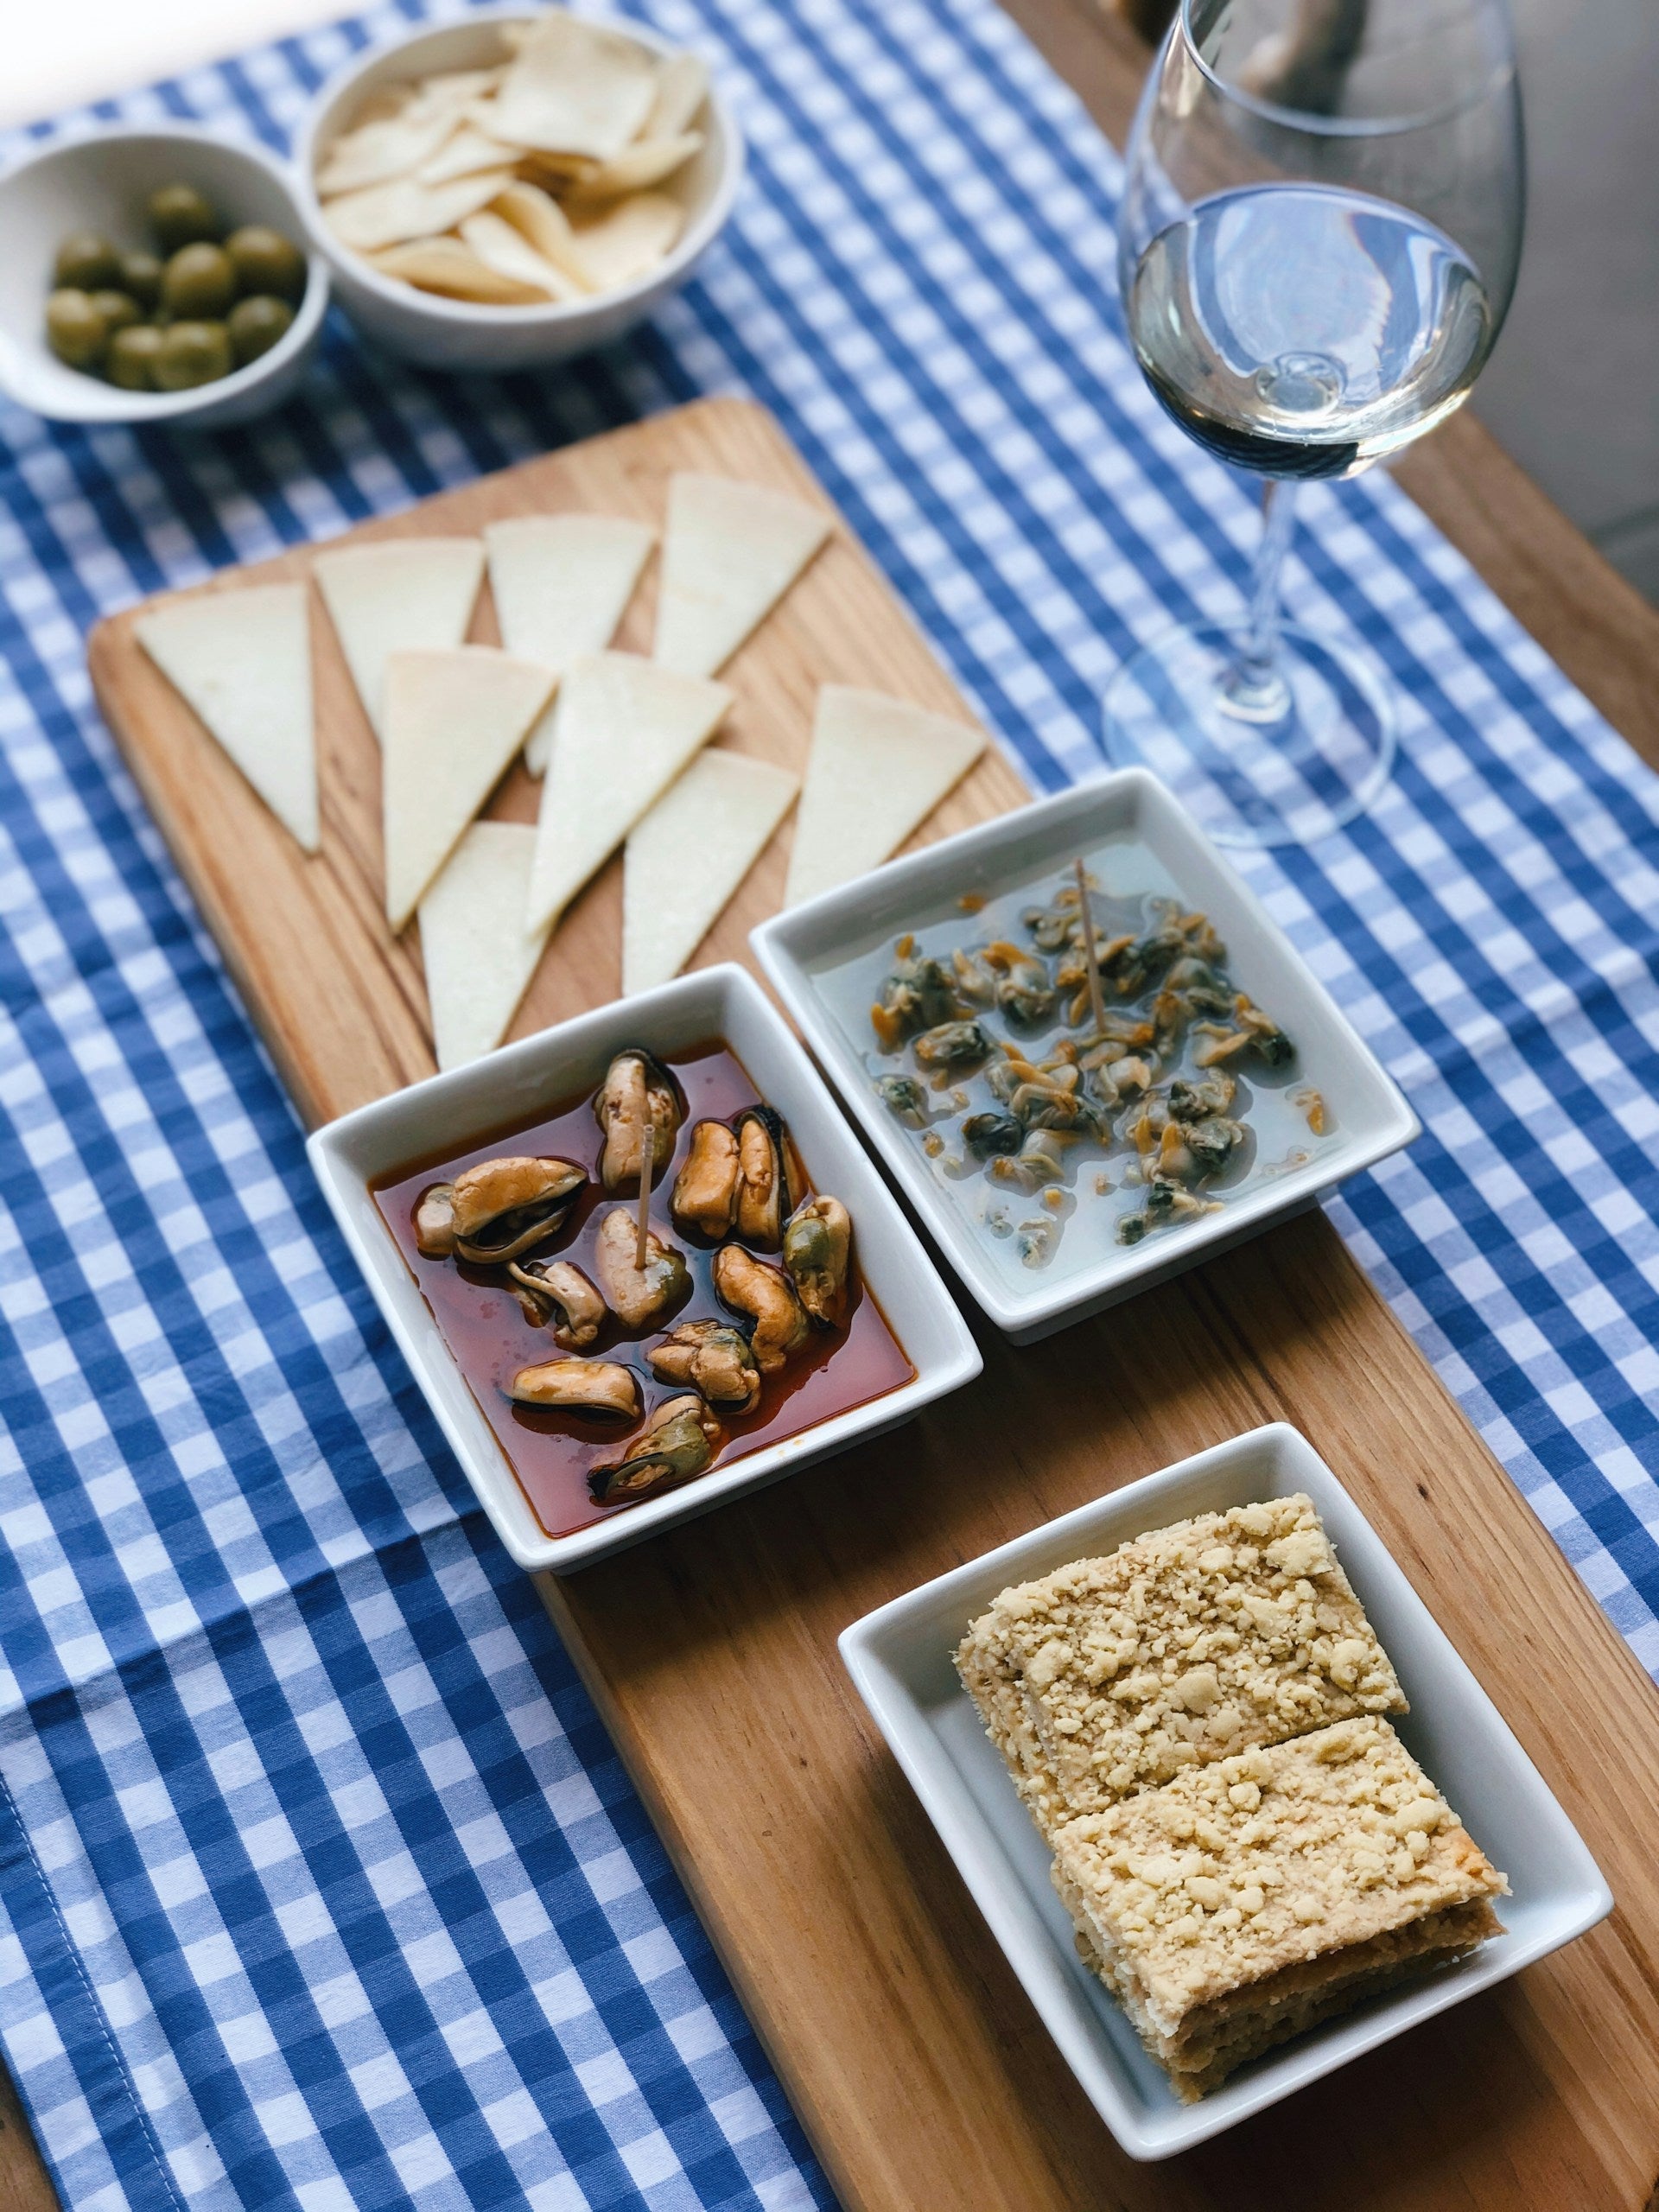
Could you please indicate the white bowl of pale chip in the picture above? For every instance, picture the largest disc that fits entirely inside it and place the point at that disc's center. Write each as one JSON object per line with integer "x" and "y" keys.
{"x": 515, "y": 188}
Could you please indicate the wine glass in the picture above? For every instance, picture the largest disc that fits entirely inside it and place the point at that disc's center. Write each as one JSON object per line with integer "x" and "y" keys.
{"x": 1319, "y": 233}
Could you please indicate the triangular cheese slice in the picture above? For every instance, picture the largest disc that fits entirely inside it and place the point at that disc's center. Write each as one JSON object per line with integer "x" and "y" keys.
{"x": 477, "y": 960}
{"x": 454, "y": 722}
{"x": 561, "y": 584}
{"x": 730, "y": 552}
{"x": 622, "y": 732}
{"x": 242, "y": 659}
{"x": 406, "y": 592}
{"x": 718, "y": 815}
{"x": 879, "y": 767}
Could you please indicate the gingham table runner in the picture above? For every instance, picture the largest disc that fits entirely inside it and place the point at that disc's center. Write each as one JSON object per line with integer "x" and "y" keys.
{"x": 320, "y": 1883}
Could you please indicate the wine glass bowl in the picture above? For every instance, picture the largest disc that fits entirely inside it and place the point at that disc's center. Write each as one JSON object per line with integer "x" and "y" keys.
{"x": 1317, "y": 247}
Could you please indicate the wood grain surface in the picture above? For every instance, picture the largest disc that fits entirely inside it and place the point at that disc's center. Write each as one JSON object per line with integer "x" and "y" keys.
{"x": 341, "y": 1003}
{"x": 907, "y": 2048}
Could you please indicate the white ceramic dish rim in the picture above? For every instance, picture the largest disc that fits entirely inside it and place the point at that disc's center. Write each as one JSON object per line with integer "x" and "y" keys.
{"x": 790, "y": 944}
{"x": 822, "y": 1136}
{"x": 867, "y": 1646}
{"x": 476, "y": 315}
{"x": 140, "y": 407}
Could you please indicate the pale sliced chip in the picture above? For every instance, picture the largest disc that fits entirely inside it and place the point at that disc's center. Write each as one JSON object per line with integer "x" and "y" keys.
{"x": 464, "y": 153}
{"x": 576, "y": 88}
{"x": 554, "y": 171}
{"x": 546, "y": 227}
{"x": 453, "y": 271}
{"x": 730, "y": 552}
{"x": 622, "y": 731}
{"x": 453, "y": 90}
{"x": 687, "y": 857}
{"x": 878, "y": 768}
{"x": 629, "y": 239}
{"x": 561, "y": 584}
{"x": 388, "y": 214}
{"x": 454, "y": 720}
{"x": 379, "y": 106}
{"x": 242, "y": 659}
{"x": 504, "y": 248}
{"x": 374, "y": 152}
{"x": 646, "y": 162}
{"x": 477, "y": 960}
{"x": 682, "y": 87}
{"x": 402, "y": 593}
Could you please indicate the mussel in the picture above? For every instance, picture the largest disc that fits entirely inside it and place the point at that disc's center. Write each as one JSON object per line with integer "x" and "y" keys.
{"x": 637, "y": 1093}
{"x": 1252, "y": 1031}
{"x": 638, "y": 1296}
{"x": 679, "y": 1443}
{"x": 556, "y": 1294}
{"x": 1193, "y": 1097}
{"x": 1055, "y": 927}
{"x": 586, "y": 1386}
{"x": 713, "y": 1357}
{"x": 976, "y": 979}
{"x": 705, "y": 1190}
{"x": 1212, "y": 1142}
{"x": 1040, "y": 1161}
{"x": 495, "y": 1211}
{"x": 915, "y": 995}
{"x": 817, "y": 1248}
{"x": 435, "y": 1222}
{"x": 954, "y": 1044}
{"x": 903, "y": 1097}
{"x": 1023, "y": 989}
{"x": 769, "y": 1300}
{"x": 765, "y": 1177}
{"x": 986, "y": 1135}
{"x": 1167, "y": 1201}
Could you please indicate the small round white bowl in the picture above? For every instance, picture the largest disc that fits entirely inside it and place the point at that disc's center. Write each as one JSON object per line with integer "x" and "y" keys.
{"x": 441, "y": 334}
{"x": 100, "y": 182}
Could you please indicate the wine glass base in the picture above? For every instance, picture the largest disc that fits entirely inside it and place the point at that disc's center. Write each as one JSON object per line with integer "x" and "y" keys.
{"x": 1277, "y": 764}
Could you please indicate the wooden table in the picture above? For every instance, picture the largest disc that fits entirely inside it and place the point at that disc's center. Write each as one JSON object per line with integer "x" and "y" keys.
{"x": 1497, "y": 2119}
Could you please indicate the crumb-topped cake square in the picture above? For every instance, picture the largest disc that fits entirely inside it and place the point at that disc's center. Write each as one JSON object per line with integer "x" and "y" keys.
{"x": 1249, "y": 1898}
{"x": 1192, "y": 1644}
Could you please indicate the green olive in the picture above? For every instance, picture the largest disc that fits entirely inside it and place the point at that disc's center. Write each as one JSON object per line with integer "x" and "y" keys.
{"x": 265, "y": 261}
{"x": 86, "y": 263}
{"x": 256, "y": 324}
{"x": 132, "y": 356}
{"x": 198, "y": 284}
{"x": 141, "y": 276}
{"x": 192, "y": 353}
{"x": 179, "y": 215}
{"x": 118, "y": 310}
{"x": 74, "y": 328}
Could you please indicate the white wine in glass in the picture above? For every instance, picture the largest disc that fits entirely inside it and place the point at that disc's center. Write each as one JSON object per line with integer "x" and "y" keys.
{"x": 1321, "y": 229}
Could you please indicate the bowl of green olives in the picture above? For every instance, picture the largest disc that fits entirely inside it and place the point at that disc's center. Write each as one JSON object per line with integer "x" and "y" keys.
{"x": 155, "y": 276}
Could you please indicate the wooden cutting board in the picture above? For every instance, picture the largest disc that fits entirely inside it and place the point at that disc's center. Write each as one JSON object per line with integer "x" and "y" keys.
{"x": 924, "y": 2080}
{"x": 341, "y": 1004}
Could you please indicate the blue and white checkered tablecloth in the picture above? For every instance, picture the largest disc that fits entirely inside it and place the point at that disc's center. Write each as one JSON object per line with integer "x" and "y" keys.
{"x": 320, "y": 1885}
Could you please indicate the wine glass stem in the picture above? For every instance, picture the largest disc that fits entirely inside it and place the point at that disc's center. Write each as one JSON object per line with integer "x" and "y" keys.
{"x": 1253, "y": 688}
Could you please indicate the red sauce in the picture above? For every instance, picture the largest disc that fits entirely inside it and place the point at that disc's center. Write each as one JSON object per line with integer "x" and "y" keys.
{"x": 485, "y": 1329}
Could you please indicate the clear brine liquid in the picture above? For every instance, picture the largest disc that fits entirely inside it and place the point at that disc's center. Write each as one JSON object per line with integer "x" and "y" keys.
{"x": 1304, "y": 332}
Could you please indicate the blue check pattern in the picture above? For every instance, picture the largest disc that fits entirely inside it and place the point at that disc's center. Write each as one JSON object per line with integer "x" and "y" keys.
{"x": 320, "y": 1883}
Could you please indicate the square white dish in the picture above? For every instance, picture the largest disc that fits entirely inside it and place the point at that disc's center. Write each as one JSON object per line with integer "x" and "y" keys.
{"x": 1031, "y": 849}
{"x": 522, "y": 1082}
{"x": 900, "y": 1660}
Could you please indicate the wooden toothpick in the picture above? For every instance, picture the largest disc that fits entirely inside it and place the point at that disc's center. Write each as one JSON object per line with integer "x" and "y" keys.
{"x": 647, "y": 1167}
{"x": 1089, "y": 956}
